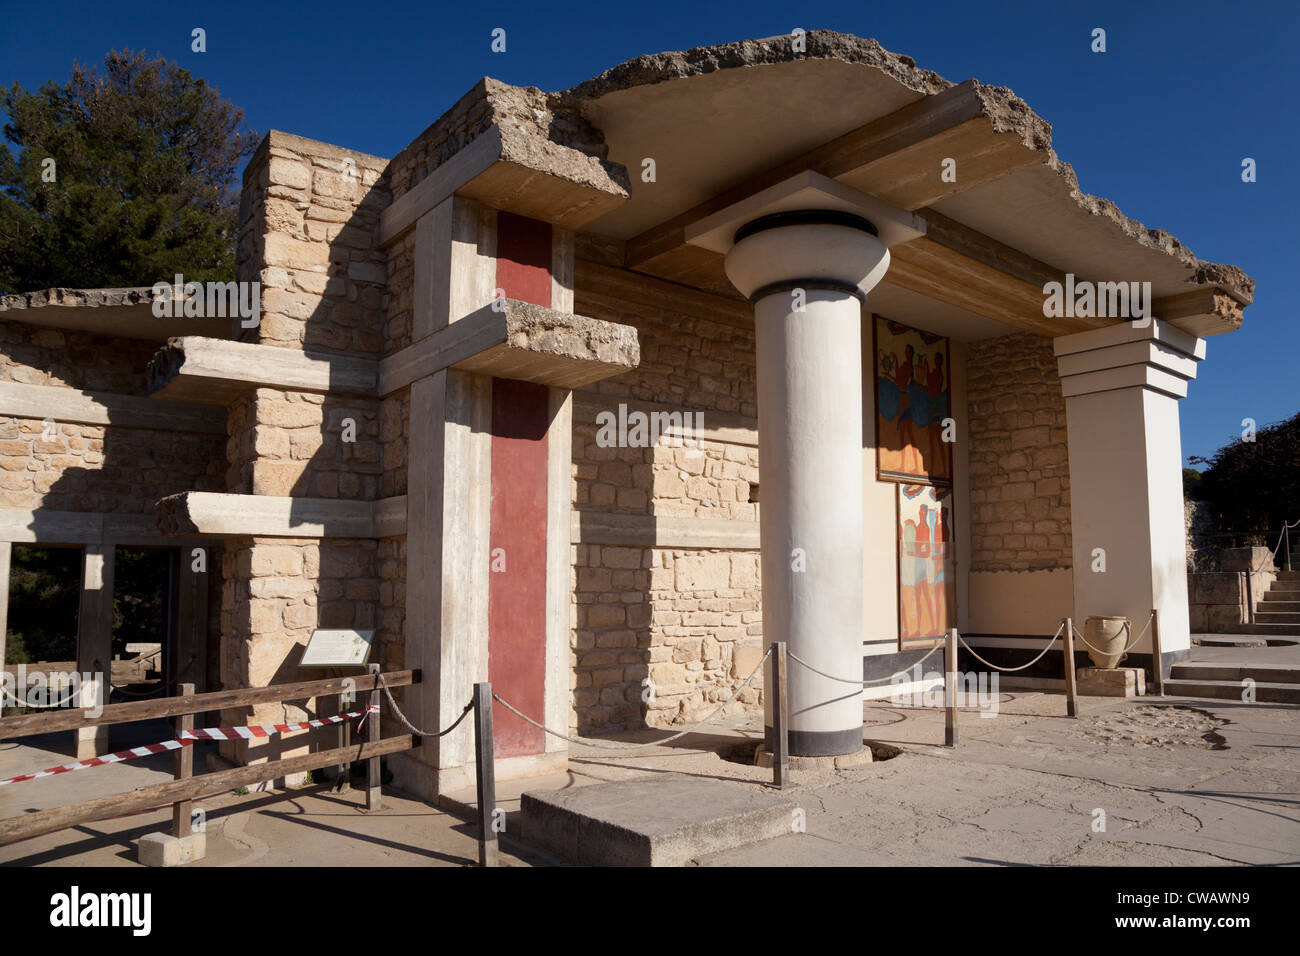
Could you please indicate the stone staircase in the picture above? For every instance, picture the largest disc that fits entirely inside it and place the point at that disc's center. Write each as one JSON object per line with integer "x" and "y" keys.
{"x": 1274, "y": 684}
{"x": 1278, "y": 612}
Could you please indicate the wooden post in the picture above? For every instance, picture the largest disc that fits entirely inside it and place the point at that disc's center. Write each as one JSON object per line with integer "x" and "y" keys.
{"x": 6, "y": 550}
{"x": 780, "y": 717}
{"x": 950, "y": 689}
{"x": 486, "y": 773}
{"x": 374, "y": 784}
{"x": 183, "y": 763}
{"x": 1157, "y": 660}
{"x": 1071, "y": 694}
{"x": 95, "y": 641}
{"x": 344, "y": 782}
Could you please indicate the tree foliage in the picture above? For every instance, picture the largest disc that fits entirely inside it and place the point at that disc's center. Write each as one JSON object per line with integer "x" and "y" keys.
{"x": 144, "y": 173}
{"x": 1255, "y": 485}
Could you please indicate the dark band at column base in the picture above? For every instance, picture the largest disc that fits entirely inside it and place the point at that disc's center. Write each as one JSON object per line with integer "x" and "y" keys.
{"x": 819, "y": 743}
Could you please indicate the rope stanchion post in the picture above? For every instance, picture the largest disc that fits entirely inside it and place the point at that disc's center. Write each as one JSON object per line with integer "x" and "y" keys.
{"x": 780, "y": 717}
{"x": 1071, "y": 689}
{"x": 1157, "y": 659}
{"x": 950, "y": 689}
{"x": 183, "y": 769}
{"x": 374, "y": 784}
{"x": 486, "y": 773}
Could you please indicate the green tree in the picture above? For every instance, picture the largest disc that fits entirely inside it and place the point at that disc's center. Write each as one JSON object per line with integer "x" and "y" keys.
{"x": 144, "y": 174}
{"x": 1255, "y": 485}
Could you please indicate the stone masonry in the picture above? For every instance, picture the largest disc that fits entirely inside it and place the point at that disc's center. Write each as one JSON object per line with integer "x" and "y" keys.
{"x": 1019, "y": 461}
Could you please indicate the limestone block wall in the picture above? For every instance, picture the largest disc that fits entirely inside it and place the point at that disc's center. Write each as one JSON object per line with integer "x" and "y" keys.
{"x": 289, "y": 443}
{"x": 276, "y": 592}
{"x": 1021, "y": 571}
{"x": 307, "y": 231}
{"x": 79, "y": 467}
{"x": 686, "y": 619}
{"x": 1019, "y": 463}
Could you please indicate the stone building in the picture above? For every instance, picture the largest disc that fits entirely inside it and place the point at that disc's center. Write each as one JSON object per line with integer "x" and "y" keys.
{"x": 415, "y": 437}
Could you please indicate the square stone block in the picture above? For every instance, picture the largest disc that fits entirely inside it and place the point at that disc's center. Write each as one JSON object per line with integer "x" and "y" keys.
{"x": 1112, "y": 681}
{"x": 163, "y": 849}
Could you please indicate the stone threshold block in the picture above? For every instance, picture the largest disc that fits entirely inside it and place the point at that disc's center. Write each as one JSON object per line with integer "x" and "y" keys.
{"x": 1112, "y": 681}
{"x": 652, "y": 821}
{"x": 163, "y": 849}
{"x": 519, "y": 340}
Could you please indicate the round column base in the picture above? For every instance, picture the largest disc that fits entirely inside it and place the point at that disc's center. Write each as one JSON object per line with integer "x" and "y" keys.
{"x": 827, "y": 764}
{"x": 820, "y": 743}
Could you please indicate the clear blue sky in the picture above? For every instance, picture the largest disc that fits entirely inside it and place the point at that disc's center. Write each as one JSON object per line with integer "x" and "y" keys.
{"x": 1159, "y": 123}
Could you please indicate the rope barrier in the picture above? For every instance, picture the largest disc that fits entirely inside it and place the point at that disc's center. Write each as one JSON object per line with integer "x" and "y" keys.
{"x": 637, "y": 747}
{"x": 859, "y": 683}
{"x": 1286, "y": 526}
{"x": 1130, "y": 630}
{"x": 383, "y": 685}
{"x": 1010, "y": 670}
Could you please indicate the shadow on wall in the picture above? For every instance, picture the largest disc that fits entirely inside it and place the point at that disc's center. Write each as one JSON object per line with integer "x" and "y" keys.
{"x": 52, "y": 468}
{"x": 310, "y": 217}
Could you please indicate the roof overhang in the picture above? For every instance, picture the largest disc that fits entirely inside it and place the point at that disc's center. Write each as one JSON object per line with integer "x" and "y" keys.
{"x": 126, "y": 313}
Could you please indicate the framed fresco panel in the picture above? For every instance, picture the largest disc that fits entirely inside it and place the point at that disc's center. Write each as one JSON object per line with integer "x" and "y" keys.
{"x": 927, "y": 605}
{"x": 913, "y": 383}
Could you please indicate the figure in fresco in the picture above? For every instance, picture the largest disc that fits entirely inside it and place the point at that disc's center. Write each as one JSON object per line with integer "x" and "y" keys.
{"x": 912, "y": 395}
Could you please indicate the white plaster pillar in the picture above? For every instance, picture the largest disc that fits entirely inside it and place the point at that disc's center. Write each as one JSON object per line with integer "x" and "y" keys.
{"x": 806, "y": 252}
{"x": 807, "y": 278}
{"x": 1121, "y": 386}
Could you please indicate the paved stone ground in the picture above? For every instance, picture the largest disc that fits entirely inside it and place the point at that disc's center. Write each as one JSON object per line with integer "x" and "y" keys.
{"x": 1181, "y": 782}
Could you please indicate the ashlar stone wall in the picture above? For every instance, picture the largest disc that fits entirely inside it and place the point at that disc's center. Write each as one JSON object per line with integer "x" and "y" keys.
{"x": 1019, "y": 458}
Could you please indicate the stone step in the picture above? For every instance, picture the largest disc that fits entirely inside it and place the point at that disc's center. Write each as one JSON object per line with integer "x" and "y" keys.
{"x": 1232, "y": 689}
{"x": 652, "y": 821}
{"x": 1270, "y": 674}
{"x": 1282, "y": 597}
{"x": 1284, "y": 587}
{"x": 1277, "y": 617}
{"x": 1288, "y": 575}
{"x": 1268, "y": 630}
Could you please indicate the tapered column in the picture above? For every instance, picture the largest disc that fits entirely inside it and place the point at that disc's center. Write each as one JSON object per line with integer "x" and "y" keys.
{"x": 1122, "y": 385}
{"x": 807, "y": 255}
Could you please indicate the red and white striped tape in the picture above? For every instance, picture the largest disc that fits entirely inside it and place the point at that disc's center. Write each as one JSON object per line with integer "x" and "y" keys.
{"x": 186, "y": 738}
{"x": 267, "y": 730}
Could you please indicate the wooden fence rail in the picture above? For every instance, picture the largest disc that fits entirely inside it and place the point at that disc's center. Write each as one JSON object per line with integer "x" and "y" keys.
{"x": 179, "y": 793}
{"x": 74, "y": 717}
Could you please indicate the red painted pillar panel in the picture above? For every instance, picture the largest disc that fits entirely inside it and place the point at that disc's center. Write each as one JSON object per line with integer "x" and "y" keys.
{"x": 517, "y": 580}
{"x": 524, "y": 258}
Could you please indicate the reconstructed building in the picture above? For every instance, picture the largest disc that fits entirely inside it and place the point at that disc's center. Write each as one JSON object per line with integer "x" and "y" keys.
{"x": 440, "y": 427}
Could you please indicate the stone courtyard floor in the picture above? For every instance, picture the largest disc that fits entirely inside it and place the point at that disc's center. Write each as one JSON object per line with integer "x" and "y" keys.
{"x": 1179, "y": 781}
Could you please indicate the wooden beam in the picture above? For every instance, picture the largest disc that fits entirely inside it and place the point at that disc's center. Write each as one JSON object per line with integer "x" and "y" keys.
{"x": 95, "y": 641}
{"x": 209, "y": 784}
{"x": 1202, "y": 312}
{"x": 207, "y": 514}
{"x": 896, "y": 158}
{"x": 83, "y": 527}
{"x": 47, "y": 722}
{"x": 105, "y": 408}
{"x": 648, "y": 531}
{"x": 216, "y": 372}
